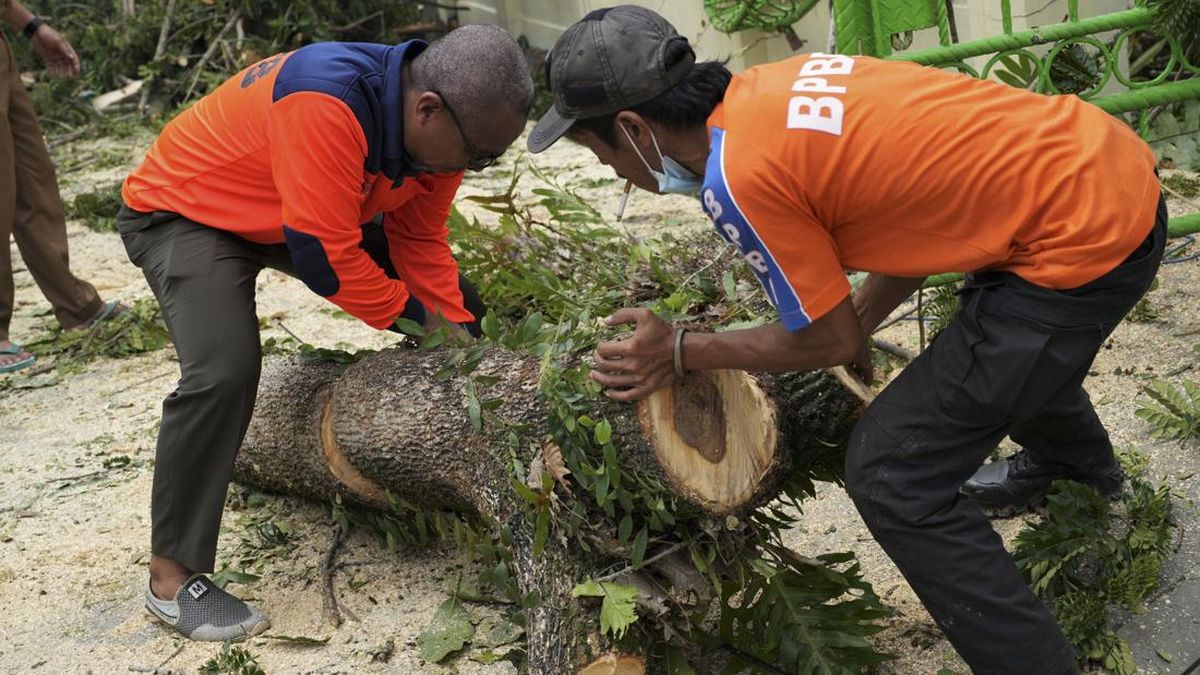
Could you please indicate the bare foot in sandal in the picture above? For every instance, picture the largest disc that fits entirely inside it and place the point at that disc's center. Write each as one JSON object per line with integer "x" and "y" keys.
{"x": 13, "y": 357}
{"x": 111, "y": 310}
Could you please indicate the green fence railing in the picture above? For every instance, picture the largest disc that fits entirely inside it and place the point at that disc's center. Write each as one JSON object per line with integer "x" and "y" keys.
{"x": 1088, "y": 57}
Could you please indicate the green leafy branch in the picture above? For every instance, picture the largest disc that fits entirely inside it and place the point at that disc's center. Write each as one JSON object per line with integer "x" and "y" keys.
{"x": 1173, "y": 411}
{"x": 138, "y": 330}
{"x": 567, "y": 264}
{"x": 1088, "y": 555}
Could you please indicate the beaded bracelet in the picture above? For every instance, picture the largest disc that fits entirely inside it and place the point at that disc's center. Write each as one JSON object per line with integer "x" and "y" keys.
{"x": 679, "y": 371}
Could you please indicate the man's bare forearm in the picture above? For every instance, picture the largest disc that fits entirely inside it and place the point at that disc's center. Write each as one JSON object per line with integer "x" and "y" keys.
{"x": 832, "y": 340}
{"x": 17, "y": 16}
{"x": 879, "y": 295}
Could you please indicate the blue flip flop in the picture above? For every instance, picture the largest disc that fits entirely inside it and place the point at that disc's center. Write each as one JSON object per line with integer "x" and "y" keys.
{"x": 14, "y": 349}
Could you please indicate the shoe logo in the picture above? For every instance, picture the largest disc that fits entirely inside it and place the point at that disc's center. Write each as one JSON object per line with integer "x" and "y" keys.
{"x": 197, "y": 589}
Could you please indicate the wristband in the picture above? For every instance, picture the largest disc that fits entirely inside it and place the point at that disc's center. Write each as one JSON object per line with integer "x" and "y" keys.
{"x": 32, "y": 27}
{"x": 679, "y": 371}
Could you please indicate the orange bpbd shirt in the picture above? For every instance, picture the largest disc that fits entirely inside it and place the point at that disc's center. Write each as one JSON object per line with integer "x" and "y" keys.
{"x": 302, "y": 148}
{"x": 823, "y": 163}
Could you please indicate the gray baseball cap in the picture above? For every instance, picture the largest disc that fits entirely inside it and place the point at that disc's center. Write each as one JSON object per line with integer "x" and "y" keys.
{"x": 611, "y": 60}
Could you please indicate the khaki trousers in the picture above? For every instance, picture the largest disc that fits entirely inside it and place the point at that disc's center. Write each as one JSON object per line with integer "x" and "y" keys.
{"x": 31, "y": 211}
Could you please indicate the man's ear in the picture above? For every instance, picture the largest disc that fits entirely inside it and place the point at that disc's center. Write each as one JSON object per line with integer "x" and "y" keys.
{"x": 427, "y": 105}
{"x": 635, "y": 124}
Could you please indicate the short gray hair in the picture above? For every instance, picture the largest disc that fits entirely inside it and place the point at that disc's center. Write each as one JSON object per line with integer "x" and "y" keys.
{"x": 477, "y": 68}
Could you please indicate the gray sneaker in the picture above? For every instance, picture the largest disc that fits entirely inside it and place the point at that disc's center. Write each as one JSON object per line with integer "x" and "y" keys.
{"x": 202, "y": 611}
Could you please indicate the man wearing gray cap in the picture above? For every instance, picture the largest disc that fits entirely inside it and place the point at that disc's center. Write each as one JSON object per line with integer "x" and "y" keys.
{"x": 825, "y": 162}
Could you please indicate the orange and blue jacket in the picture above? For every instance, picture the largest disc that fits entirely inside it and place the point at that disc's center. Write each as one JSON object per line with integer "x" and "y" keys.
{"x": 302, "y": 148}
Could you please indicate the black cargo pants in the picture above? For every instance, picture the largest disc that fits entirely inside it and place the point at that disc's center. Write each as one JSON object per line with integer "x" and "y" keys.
{"x": 1012, "y": 362}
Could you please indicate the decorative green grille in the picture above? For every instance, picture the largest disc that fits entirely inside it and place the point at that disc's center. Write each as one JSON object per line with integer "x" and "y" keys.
{"x": 728, "y": 16}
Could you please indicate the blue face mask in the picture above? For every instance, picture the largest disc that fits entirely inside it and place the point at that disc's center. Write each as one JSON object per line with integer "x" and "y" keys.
{"x": 675, "y": 178}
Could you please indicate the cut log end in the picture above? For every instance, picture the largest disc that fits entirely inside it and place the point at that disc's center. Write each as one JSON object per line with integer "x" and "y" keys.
{"x": 715, "y": 435}
{"x": 615, "y": 664}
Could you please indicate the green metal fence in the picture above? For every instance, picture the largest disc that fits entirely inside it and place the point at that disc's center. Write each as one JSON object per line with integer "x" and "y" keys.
{"x": 1081, "y": 56}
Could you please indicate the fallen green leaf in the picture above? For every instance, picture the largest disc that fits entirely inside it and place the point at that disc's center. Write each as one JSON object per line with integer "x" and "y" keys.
{"x": 486, "y": 658}
{"x": 449, "y": 632}
{"x": 230, "y": 576}
{"x": 618, "y": 611}
{"x": 497, "y": 633}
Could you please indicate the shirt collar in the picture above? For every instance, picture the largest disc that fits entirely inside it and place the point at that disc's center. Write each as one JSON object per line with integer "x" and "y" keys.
{"x": 396, "y": 163}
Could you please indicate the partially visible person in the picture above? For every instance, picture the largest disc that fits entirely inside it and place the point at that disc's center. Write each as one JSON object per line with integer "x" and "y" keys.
{"x": 279, "y": 167}
{"x": 31, "y": 210}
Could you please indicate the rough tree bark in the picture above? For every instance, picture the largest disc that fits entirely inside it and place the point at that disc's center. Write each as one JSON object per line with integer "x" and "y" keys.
{"x": 725, "y": 441}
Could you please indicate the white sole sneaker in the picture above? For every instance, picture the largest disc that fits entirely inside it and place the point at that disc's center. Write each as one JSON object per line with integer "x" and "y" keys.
{"x": 204, "y": 612}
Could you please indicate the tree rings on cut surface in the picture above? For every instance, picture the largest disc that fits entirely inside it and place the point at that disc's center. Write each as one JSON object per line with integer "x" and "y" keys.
{"x": 715, "y": 435}
{"x": 615, "y": 664}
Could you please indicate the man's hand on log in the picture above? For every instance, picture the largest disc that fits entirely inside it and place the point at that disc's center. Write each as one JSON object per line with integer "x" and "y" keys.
{"x": 633, "y": 368}
{"x": 457, "y": 332}
{"x": 863, "y": 366}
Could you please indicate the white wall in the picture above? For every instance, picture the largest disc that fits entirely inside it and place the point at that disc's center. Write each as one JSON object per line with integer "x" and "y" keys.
{"x": 541, "y": 22}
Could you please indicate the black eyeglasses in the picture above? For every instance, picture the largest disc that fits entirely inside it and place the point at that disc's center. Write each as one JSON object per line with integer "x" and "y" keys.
{"x": 476, "y": 161}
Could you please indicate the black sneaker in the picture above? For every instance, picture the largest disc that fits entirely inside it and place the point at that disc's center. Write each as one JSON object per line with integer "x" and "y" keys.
{"x": 1018, "y": 483}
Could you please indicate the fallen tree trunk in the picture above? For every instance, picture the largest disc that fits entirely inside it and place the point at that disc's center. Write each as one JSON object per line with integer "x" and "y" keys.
{"x": 723, "y": 441}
